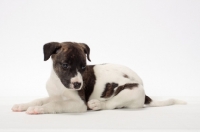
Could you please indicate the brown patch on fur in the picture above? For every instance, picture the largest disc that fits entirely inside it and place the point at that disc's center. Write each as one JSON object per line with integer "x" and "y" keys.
{"x": 89, "y": 80}
{"x": 109, "y": 90}
{"x": 50, "y": 48}
{"x": 148, "y": 100}
{"x": 126, "y": 86}
{"x": 126, "y": 76}
{"x": 65, "y": 49}
{"x": 86, "y": 49}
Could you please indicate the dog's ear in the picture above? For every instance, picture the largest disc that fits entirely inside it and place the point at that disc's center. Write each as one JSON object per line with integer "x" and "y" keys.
{"x": 86, "y": 49}
{"x": 50, "y": 48}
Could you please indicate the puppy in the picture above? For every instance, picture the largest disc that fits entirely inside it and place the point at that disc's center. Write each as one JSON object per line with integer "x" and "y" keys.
{"x": 74, "y": 86}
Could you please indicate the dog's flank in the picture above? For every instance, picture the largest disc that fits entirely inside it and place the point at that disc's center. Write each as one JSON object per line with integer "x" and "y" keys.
{"x": 125, "y": 86}
{"x": 126, "y": 76}
{"x": 109, "y": 90}
{"x": 114, "y": 89}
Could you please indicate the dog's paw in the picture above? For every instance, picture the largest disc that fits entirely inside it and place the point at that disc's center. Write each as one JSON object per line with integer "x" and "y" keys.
{"x": 94, "y": 104}
{"x": 20, "y": 107}
{"x": 35, "y": 110}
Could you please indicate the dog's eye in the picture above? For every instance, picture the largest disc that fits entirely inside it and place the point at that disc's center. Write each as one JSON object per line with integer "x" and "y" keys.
{"x": 65, "y": 66}
{"x": 83, "y": 67}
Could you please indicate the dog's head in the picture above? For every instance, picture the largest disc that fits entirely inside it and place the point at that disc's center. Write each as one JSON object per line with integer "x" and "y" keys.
{"x": 69, "y": 61}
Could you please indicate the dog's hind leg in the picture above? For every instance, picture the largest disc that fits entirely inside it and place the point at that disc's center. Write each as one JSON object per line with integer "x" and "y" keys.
{"x": 130, "y": 98}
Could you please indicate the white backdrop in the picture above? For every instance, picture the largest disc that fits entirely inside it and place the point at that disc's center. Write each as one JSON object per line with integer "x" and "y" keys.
{"x": 159, "y": 40}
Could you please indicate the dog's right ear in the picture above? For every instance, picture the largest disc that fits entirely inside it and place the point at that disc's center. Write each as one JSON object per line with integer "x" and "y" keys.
{"x": 50, "y": 48}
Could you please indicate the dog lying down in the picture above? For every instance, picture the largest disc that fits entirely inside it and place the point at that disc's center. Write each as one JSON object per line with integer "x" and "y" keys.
{"x": 74, "y": 86}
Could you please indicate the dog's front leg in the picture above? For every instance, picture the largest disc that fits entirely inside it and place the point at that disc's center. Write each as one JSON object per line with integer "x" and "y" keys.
{"x": 58, "y": 107}
{"x": 25, "y": 106}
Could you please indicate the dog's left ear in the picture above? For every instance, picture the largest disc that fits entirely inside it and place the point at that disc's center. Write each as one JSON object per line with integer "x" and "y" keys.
{"x": 86, "y": 49}
{"x": 50, "y": 48}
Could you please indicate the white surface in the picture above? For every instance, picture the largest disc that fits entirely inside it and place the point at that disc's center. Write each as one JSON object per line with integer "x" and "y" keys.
{"x": 170, "y": 118}
{"x": 159, "y": 40}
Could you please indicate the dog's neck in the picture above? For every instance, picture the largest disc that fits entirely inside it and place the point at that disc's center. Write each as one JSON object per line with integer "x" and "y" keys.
{"x": 88, "y": 83}
{"x": 89, "y": 80}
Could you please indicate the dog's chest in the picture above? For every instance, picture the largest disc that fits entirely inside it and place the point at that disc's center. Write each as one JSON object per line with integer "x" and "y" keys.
{"x": 56, "y": 88}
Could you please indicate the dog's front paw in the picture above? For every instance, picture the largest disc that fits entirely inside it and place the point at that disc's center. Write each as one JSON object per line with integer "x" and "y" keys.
{"x": 35, "y": 110}
{"x": 20, "y": 107}
{"x": 95, "y": 104}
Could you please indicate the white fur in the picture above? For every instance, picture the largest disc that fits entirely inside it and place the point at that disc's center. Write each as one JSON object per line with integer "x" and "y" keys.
{"x": 127, "y": 98}
{"x": 62, "y": 99}
{"x": 112, "y": 73}
{"x": 166, "y": 102}
{"x": 115, "y": 73}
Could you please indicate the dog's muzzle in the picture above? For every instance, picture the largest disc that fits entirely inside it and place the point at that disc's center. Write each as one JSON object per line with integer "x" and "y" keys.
{"x": 76, "y": 85}
{"x": 76, "y": 82}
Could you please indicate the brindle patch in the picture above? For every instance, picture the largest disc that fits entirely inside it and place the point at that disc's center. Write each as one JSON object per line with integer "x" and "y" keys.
{"x": 89, "y": 80}
{"x": 148, "y": 100}
{"x": 109, "y": 90}
{"x": 50, "y": 48}
{"x": 126, "y": 86}
{"x": 74, "y": 57}
{"x": 126, "y": 76}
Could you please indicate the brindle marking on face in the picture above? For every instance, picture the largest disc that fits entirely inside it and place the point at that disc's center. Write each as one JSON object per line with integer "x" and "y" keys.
{"x": 109, "y": 90}
{"x": 126, "y": 86}
{"x": 74, "y": 57}
{"x": 72, "y": 54}
{"x": 89, "y": 80}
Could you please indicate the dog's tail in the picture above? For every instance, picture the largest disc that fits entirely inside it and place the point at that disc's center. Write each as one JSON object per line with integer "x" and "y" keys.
{"x": 154, "y": 103}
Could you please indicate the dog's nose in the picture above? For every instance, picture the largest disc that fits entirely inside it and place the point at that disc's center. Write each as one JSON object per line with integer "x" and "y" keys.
{"x": 76, "y": 85}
